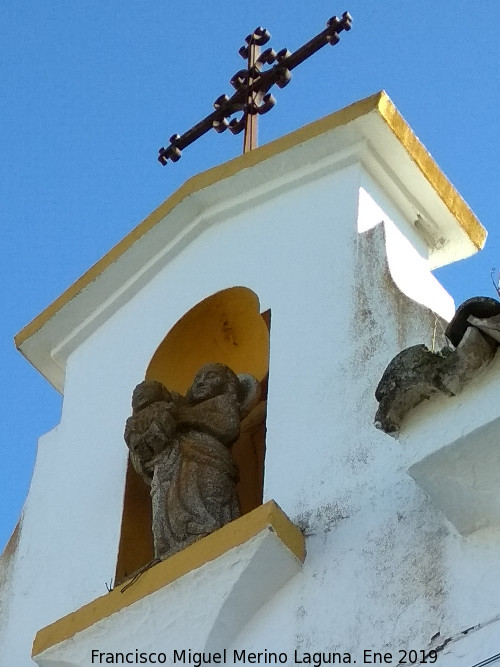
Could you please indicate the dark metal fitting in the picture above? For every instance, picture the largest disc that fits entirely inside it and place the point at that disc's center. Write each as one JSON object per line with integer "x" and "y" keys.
{"x": 239, "y": 79}
{"x": 236, "y": 126}
{"x": 175, "y": 154}
{"x": 174, "y": 138}
{"x": 171, "y": 153}
{"x": 283, "y": 77}
{"x": 220, "y": 101}
{"x": 347, "y": 21}
{"x": 244, "y": 52}
{"x": 260, "y": 36}
{"x": 267, "y": 104}
{"x": 267, "y": 57}
{"x": 333, "y": 39}
{"x": 251, "y": 108}
{"x": 220, "y": 125}
{"x": 281, "y": 55}
{"x": 254, "y": 71}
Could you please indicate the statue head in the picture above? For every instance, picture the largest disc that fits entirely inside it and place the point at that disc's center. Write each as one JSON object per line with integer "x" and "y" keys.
{"x": 213, "y": 380}
{"x": 148, "y": 392}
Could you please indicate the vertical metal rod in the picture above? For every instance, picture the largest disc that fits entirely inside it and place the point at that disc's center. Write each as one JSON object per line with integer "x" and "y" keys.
{"x": 250, "y": 138}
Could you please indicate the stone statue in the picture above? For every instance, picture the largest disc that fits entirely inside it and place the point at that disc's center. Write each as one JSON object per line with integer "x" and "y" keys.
{"x": 180, "y": 445}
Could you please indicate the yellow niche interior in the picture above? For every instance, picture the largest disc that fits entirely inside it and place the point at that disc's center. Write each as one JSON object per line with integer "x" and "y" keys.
{"x": 228, "y": 328}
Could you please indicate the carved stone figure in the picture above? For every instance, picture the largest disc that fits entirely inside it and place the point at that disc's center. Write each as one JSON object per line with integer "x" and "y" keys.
{"x": 417, "y": 373}
{"x": 150, "y": 430}
{"x": 180, "y": 445}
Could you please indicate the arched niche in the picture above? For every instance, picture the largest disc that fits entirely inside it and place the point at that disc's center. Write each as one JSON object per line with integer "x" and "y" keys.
{"x": 228, "y": 328}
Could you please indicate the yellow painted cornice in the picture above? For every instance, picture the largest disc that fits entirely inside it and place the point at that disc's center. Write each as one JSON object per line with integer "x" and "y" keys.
{"x": 429, "y": 168}
{"x": 379, "y": 102}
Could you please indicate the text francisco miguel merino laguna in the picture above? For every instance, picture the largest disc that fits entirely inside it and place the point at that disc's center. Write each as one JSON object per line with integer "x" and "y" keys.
{"x": 197, "y": 659}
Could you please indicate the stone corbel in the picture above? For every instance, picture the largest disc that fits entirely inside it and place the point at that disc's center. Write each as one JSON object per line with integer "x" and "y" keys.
{"x": 417, "y": 373}
{"x": 199, "y": 598}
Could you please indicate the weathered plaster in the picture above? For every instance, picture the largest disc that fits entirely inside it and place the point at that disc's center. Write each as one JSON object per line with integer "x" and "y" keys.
{"x": 370, "y": 131}
{"x": 463, "y": 477}
{"x": 7, "y": 562}
{"x": 384, "y": 566}
{"x": 249, "y": 573}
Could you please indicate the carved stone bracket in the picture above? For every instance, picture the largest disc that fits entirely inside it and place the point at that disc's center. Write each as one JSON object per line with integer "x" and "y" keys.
{"x": 417, "y": 373}
{"x": 200, "y": 598}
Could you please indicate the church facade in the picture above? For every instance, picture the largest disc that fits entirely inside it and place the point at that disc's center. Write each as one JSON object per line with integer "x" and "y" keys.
{"x": 307, "y": 264}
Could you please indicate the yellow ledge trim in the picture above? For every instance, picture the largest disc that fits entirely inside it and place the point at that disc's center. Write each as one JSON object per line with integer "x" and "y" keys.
{"x": 208, "y": 548}
{"x": 429, "y": 168}
{"x": 380, "y": 102}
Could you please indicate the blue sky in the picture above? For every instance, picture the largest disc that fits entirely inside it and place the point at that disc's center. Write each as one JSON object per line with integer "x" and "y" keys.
{"x": 92, "y": 89}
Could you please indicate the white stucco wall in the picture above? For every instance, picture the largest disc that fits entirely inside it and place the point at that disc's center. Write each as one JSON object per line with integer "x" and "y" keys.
{"x": 384, "y": 568}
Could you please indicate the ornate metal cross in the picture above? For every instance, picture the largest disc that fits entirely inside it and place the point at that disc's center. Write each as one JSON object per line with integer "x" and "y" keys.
{"x": 252, "y": 85}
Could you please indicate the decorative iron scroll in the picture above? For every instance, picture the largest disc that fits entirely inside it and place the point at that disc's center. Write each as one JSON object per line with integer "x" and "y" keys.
{"x": 252, "y": 85}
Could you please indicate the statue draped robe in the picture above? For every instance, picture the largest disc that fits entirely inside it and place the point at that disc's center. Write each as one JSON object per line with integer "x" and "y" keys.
{"x": 180, "y": 445}
{"x": 193, "y": 488}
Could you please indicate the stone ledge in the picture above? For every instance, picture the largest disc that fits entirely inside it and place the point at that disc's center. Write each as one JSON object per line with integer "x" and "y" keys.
{"x": 462, "y": 479}
{"x": 273, "y": 549}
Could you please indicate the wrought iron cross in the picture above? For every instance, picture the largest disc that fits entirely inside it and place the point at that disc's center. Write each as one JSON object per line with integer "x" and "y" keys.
{"x": 252, "y": 85}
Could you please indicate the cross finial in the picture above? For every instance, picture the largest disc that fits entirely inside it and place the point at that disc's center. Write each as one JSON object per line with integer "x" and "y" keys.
{"x": 252, "y": 85}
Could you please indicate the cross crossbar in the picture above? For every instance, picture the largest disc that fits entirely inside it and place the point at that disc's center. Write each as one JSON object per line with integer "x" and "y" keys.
{"x": 252, "y": 85}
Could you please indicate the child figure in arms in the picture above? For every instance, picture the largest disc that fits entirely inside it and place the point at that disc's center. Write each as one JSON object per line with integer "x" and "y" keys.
{"x": 180, "y": 445}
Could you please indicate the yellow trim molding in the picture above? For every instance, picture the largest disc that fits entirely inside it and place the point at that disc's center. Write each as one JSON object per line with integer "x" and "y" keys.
{"x": 379, "y": 102}
{"x": 425, "y": 162}
{"x": 268, "y": 516}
